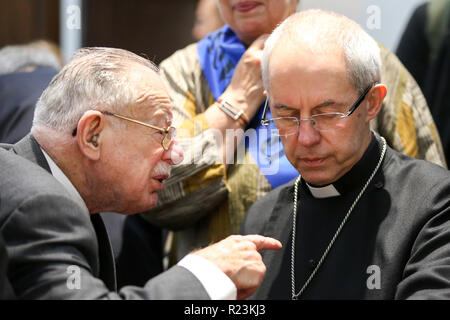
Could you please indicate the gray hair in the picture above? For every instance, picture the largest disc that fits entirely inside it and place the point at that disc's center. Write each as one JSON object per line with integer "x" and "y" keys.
{"x": 95, "y": 78}
{"x": 320, "y": 31}
{"x": 17, "y": 57}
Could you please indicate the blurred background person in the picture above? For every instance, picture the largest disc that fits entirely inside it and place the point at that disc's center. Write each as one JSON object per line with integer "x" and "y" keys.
{"x": 25, "y": 71}
{"x": 207, "y": 19}
{"x": 425, "y": 50}
{"x": 216, "y": 86}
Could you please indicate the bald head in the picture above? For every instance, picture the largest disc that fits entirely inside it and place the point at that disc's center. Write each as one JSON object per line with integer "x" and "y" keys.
{"x": 321, "y": 34}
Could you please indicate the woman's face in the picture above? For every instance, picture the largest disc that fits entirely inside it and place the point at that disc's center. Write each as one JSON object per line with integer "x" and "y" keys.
{"x": 251, "y": 18}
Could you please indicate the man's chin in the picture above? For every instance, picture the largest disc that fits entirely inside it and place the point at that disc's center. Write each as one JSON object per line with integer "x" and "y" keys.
{"x": 136, "y": 207}
{"x": 152, "y": 202}
{"x": 316, "y": 178}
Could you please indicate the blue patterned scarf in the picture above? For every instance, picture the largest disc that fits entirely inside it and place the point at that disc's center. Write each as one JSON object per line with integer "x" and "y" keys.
{"x": 219, "y": 53}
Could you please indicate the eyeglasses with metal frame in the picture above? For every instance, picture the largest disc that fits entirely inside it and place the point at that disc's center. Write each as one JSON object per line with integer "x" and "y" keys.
{"x": 169, "y": 134}
{"x": 285, "y": 126}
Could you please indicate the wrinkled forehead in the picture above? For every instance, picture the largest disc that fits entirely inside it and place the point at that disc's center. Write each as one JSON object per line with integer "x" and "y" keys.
{"x": 293, "y": 68}
{"x": 151, "y": 96}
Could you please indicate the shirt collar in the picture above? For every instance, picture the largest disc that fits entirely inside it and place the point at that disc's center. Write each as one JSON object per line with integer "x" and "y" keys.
{"x": 323, "y": 192}
{"x": 62, "y": 178}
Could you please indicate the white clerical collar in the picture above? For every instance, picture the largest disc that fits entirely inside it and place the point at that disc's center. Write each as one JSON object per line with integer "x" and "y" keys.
{"x": 61, "y": 177}
{"x": 323, "y": 192}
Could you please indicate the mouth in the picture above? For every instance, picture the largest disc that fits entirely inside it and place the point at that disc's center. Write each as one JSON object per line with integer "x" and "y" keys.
{"x": 313, "y": 161}
{"x": 246, "y": 6}
{"x": 160, "y": 179}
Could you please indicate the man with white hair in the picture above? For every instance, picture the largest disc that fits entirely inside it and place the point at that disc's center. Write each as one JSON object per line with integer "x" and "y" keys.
{"x": 103, "y": 130}
{"x": 362, "y": 221}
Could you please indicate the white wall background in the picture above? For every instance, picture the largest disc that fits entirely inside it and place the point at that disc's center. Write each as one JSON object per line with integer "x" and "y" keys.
{"x": 393, "y": 15}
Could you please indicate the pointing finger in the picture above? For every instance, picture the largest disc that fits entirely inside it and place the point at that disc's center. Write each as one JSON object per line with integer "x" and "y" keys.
{"x": 264, "y": 243}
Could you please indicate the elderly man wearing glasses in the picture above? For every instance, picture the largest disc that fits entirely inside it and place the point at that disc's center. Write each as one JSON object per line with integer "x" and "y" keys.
{"x": 362, "y": 221}
{"x": 102, "y": 140}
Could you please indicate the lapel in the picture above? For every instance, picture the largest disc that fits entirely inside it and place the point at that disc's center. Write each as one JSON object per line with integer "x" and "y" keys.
{"x": 279, "y": 227}
{"x": 29, "y": 149}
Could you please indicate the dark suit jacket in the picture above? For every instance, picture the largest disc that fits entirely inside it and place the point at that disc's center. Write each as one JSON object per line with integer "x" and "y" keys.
{"x": 6, "y": 291}
{"x": 405, "y": 214}
{"x": 19, "y": 92}
{"x": 53, "y": 242}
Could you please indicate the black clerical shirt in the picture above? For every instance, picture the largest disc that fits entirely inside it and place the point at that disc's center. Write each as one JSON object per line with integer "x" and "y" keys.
{"x": 394, "y": 245}
{"x": 317, "y": 222}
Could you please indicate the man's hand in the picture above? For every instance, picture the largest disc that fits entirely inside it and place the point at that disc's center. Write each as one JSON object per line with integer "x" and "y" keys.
{"x": 238, "y": 258}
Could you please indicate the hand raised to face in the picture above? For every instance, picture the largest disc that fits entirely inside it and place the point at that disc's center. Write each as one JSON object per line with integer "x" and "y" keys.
{"x": 246, "y": 87}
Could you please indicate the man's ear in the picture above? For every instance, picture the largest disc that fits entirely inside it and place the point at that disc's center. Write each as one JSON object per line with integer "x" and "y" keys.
{"x": 375, "y": 99}
{"x": 90, "y": 134}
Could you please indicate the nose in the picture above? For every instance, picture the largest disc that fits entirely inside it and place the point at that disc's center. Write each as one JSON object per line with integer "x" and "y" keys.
{"x": 307, "y": 134}
{"x": 174, "y": 155}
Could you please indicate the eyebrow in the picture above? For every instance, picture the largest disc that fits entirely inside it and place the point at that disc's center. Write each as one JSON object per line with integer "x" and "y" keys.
{"x": 283, "y": 106}
{"x": 320, "y": 105}
{"x": 326, "y": 104}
